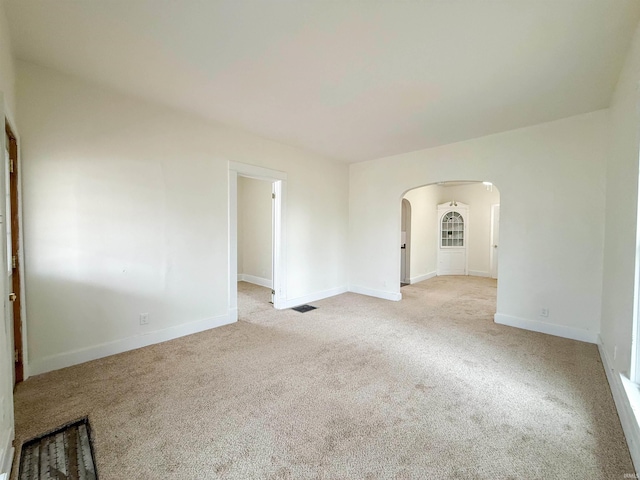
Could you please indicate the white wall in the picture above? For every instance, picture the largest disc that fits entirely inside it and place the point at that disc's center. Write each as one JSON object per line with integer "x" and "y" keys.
{"x": 255, "y": 236}
{"x": 7, "y": 109}
{"x": 125, "y": 211}
{"x": 7, "y": 69}
{"x": 424, "y": 215}
{"x": 621, "y": 246}
{"x": 621, "y": 213}
{"x": 551, "y": 181}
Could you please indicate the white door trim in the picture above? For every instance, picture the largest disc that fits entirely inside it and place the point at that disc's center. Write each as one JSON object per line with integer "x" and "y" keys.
{"x": 493, "y": 251}
{"x": 406, "y": 218}
{"x": 279, "y": 181}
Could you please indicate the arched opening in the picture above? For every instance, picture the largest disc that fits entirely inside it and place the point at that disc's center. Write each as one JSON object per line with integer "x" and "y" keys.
{"x": 454, "y": 233}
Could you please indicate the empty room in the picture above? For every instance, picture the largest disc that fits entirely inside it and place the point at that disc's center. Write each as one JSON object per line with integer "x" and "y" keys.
{"x": 320, "y": 240}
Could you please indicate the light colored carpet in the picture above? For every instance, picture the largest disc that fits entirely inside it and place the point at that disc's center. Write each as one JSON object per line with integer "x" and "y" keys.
{"x": 360, "y": 388}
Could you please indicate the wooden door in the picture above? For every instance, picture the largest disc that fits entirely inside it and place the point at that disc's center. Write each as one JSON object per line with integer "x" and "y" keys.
{"x": 13, "y": 252}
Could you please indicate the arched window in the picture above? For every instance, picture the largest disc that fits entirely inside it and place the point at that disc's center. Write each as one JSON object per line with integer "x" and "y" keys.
{"x": 452, "y": 230}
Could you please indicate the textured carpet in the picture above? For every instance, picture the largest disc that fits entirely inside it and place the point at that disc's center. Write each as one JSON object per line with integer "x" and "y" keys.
{"x": 360, "y": 388}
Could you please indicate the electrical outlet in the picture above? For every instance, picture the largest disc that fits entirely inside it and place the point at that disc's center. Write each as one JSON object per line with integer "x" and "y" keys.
{"x": 144, "y": 319}
{"x": 544, "y": 312}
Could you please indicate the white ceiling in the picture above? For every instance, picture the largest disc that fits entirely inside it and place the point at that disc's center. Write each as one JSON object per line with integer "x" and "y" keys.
{"x": 354, "y": 80}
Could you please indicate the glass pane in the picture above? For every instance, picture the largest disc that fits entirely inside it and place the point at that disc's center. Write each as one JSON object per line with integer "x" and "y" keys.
{"x": 452, "y": 230}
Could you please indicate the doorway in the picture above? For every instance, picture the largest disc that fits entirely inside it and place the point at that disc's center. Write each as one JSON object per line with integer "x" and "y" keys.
{"x": 405, "y": 244}
{"x": 238, "y": 172}
{"x": 13, "y": 251}
{"x": 255, "y": 244}
{"x": 464, "y": 243}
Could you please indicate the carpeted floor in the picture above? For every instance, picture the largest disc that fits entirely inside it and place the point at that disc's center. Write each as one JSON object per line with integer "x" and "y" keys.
{"x": 361, "y": 388}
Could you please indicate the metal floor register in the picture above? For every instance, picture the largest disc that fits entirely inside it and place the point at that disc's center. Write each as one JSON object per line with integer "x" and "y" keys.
{"x": 64, "y": 454}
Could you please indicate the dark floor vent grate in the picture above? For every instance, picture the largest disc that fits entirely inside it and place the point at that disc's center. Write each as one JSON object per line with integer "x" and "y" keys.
{"x": 66, "y": 453}
{"x": 303, "y": 308}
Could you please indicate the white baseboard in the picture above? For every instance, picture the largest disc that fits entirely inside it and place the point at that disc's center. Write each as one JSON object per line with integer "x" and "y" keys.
{"x": 313, "y": 297}
{"x": 6, "y": 453}
{"x": 623, "y": 405}
{"x": 548, "y": 328}
{"x": 263, "y": 282}
{"x": 422, "y": 278}
{"x": 62, "y": 360}
{"x": 370, "y": 292}
{"x": 479, "y": 273}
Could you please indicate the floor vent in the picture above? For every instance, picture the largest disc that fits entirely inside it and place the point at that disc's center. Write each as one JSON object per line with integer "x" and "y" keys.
{"x": 303, "y": 308}
{"x": 65, "y": 453}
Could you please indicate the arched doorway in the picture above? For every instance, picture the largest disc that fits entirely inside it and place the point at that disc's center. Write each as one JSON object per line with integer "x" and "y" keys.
{"x": 430, "y": 243}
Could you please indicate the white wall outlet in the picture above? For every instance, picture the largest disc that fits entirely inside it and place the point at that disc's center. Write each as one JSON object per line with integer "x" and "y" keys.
{"x": 144, "y": 319}
{"x": 544, "y": 312}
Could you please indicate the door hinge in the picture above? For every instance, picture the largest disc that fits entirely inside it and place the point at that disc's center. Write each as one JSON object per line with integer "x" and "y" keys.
{"x": 11, "y": 168}
{"x": 273, "y": 195}
{"x": 16, "y": 356}
{"x": 14, "y": 261}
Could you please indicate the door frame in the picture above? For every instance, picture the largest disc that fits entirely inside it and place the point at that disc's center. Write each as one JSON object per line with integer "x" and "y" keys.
{"x": 406, "y": 214}
{"x": 279, "y": 182}
{"x": 493, "y": 270}
{"x": 17, "y": 251}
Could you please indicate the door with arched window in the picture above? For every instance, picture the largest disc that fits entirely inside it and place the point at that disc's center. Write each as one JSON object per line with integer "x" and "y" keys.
{"x": 452, "y": 238}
